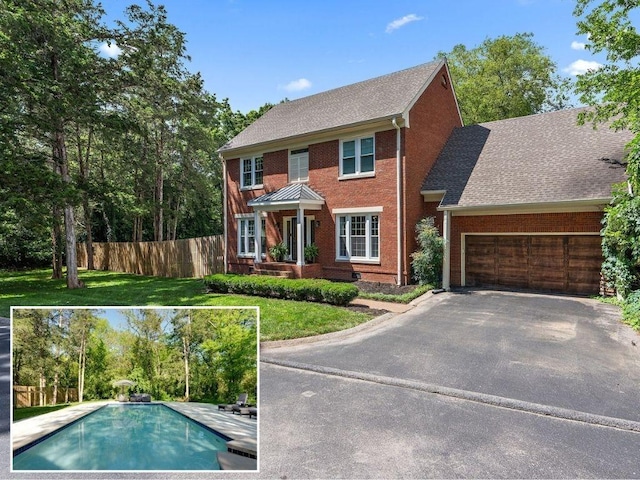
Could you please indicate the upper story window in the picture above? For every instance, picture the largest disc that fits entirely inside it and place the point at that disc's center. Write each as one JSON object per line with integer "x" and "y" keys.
{"x": 299, "y": 165}
{"x": 251, "y": 172}
{"x": 357, "y": 157}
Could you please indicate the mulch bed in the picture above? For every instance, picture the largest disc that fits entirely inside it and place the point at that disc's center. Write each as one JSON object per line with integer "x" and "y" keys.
{"x": 386, "y": 288}
{"x": 378, "y": 287}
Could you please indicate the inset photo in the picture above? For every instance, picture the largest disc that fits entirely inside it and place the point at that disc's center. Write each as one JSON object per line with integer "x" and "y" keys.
{"x": 134, "y": 388}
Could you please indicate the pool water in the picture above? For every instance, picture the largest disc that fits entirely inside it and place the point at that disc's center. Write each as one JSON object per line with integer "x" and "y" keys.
{"x": 127, "y": 437}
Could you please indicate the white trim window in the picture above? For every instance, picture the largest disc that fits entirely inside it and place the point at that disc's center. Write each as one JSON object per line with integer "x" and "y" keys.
{"x": 357, "y": 157}
{"x": 299, "y": 165}
{"x": 251, "y": 172}
{"x": 247, "y": 236}
{"x": 358, "y": 237}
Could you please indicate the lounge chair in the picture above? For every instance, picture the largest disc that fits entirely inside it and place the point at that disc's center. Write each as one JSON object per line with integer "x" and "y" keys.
{"x": 241, "y": 402}
{"x": 140, "y": 397}
{"x": 242, "y": 410}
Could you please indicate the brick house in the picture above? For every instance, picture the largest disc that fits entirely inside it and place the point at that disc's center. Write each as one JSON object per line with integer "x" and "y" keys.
{"x": 352, "y": 170}
{"x": 342, "y": 170}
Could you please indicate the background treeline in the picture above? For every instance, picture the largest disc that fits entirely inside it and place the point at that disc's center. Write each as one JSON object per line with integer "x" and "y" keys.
{"x": 103, "y": 144}
{"x": 186, "y": 354}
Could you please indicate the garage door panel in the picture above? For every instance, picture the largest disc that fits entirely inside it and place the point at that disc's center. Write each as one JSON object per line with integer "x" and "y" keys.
{"x": 562, "y": 263}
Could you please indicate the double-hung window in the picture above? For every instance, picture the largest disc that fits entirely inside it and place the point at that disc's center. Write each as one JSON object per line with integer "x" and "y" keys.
{"x": 357, "y": 157}
{"x": 299, "y": 165}
{"x": 247, "y": 237}
{"x": 251, "y": 172}
{"x": 358, "y": 237}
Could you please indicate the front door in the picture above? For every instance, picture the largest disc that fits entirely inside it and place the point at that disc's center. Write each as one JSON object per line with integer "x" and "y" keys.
{"x": 291, "y": 235}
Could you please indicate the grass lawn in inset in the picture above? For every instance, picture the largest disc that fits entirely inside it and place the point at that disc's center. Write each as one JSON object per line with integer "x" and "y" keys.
{"x": 28, "y": 412}
{"x": 279, "y": 319}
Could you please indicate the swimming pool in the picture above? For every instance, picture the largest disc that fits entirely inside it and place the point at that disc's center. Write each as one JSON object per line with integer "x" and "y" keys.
{"x": 127, "y": 437}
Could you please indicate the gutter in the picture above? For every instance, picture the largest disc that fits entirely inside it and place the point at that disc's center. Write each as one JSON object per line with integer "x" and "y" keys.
{"x": 224, "y": 206}
{"x": 398, "y": 202}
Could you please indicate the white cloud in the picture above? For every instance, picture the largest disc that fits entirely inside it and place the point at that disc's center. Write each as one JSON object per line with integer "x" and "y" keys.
{"x": 580, "y": 67}
{"x": 401, "y": 22}
{"x": 297, "y": 85}
{"x": 577, "y": 45}
{"x": 110, "y": 50}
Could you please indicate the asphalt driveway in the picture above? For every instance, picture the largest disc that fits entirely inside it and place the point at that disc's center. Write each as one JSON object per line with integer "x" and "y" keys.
{"x": 360, "y": 406}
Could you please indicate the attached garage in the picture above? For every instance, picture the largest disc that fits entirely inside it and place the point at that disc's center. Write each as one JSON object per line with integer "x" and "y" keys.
{"x": 554, "y": 263}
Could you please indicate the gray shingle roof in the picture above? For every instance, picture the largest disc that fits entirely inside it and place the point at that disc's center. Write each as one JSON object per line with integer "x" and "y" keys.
{"x": 535, "y": 159}
{"x": 291, "y": 193}
{"x": 370, "y": 100}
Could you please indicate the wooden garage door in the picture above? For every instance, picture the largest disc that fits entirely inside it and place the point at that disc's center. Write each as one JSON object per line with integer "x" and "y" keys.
{"x": 555, "y": 263}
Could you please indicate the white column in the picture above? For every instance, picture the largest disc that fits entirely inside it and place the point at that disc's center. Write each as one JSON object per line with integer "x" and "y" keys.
{"x": 446, "y": 261}
{"x": 258, "y": 236}
{"x": 300, "y": 236}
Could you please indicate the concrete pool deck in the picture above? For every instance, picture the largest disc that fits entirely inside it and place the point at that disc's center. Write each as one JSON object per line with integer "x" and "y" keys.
{"x": 237, "y": 427}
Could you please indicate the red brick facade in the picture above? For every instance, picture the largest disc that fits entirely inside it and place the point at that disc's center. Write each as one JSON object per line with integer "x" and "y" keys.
{"x": 431, "y": 120}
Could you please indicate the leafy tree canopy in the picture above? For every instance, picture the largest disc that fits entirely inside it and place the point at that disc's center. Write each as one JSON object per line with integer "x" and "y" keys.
{"x": 505, "y": 77}
{"x": 613, "y": 93}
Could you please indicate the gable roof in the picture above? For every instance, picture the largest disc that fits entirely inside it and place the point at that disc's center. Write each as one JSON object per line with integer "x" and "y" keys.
{"x": 375, "y": 99}
{"x": 543, "y": 158}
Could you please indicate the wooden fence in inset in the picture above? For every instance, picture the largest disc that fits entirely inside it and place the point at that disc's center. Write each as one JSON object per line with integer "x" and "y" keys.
{"x": 25, "y": 396}
{"x": 191, "y": 257}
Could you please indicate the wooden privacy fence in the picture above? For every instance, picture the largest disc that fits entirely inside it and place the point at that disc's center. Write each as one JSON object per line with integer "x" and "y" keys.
{"x": 24, "y": 396}
{"x": 191, "y": 257}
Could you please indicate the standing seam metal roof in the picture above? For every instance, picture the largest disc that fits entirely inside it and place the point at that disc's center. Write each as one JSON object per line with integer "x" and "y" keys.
{"x": 291, "y": 193}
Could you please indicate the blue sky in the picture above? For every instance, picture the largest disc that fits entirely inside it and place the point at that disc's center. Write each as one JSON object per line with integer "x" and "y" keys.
{"x": 253, "y": 51}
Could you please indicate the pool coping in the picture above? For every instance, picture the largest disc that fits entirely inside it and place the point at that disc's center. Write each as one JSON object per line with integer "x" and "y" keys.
{"x": 32, "y": 430}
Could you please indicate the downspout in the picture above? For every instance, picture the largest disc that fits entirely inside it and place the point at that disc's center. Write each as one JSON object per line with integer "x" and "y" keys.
{"x": 398, "y": 202}
{"x": 446, "y": 260}
{"x": 224, "y": 207}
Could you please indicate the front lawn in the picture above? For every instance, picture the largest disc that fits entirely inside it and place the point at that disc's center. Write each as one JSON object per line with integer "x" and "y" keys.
{"x": 279, "y": 319}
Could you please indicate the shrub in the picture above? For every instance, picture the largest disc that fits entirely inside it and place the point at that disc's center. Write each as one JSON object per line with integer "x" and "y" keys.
{"x": 279, "y": 251}
{"x": 631, "y": 310}
{"x": 308, "y": 289}
{"x": 427, "y": 262}
{"x": 311, "y": 252}
{"x": 339, "y": 293}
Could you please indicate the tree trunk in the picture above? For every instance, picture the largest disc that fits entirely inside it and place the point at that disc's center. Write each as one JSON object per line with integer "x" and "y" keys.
{"x": 56, "y": 244}
{"x": 41, "y": 389}
{"x": 83, "y": 163}
{"x": 55, "y": 389}
{"x": 60, "y": 154}
{"x": 185, "y": 349}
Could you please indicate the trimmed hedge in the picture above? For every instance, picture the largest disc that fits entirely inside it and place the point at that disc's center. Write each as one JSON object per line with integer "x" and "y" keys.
{"x": 303, "y": 289}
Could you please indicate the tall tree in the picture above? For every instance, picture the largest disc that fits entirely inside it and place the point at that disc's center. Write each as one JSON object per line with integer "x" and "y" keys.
{"x": 612, "y": 92}
{"x": 49, "y": 65}
{"x": 505, "y": 77}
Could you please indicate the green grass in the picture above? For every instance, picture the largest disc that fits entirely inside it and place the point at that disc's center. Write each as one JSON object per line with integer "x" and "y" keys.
{"x": 28, "y": 412}
{"x": 404, "y": 298}
{"x": 279, "y": 319}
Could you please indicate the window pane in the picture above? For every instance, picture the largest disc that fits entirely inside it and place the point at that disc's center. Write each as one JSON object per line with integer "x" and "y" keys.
{"x": 366, "y": 146}
{"x": 304, "y": 168}
{"x": 241, "y": 236}
{"x": 263, "y": 238}
{"x": 374, "y": 225}
{"x": 342, "y": 240}
{"x": 366, "y": 163}
{"x": 359, "y": 225}
{"x": 258, "y": 169}
{"x": 348, "y": 166}
{"x": 251, "y": 235}
{"x": 349, "y": 149}
{"x": 358, "y": 247}
{"x": 374, "y": 247}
